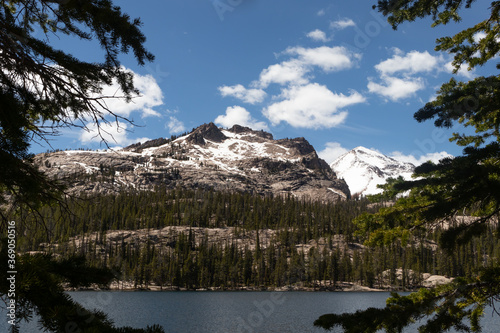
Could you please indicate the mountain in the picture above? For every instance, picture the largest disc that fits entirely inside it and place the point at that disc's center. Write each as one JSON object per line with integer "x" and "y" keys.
{"x": 363, "y": 169}
{"x": 236, "y": 159}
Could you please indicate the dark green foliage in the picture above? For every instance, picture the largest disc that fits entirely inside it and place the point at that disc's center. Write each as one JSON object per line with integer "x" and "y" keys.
{"x": 442, "y": 194}
{"x": 192, "y": 261}
{"x": 44, "y": 89}
{"x": 195, "y": 208}
{"x": 355, "y": 323}
{"x": 190, "y": 264}
{"x": 452, "y": 304}
{"x": 39, "y": 292}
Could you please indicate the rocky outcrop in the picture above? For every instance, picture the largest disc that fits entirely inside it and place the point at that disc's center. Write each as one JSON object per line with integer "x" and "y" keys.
{"x": 206, "y": 132}
{"x": 236, "y": 159}
{"x": 431, "y": 281}
{"x": 237, "y": 129}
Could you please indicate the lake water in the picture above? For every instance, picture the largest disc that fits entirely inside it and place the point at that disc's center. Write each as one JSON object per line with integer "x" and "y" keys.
{"x": 232, "y": 312}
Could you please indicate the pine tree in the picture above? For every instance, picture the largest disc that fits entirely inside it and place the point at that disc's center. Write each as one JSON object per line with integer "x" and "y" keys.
{"x": 44, "y": 89}
{"x": 39, "y": 99}
{"x": 467, "y": 184}
{"x": 39, "y": 291}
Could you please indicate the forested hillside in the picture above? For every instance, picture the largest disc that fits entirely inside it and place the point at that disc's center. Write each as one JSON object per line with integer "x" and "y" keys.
{"x": 206, "y": 239}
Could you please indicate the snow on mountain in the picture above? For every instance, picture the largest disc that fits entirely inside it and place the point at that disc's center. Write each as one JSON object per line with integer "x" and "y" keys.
{"x": 235, "y": 159}
{"x": 363, "y": 169}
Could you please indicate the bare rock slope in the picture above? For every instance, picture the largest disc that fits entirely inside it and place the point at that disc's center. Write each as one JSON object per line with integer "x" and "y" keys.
{"x": 236, "y": 159}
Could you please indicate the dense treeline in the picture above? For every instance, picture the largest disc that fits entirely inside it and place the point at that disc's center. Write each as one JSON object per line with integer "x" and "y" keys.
{"x": 195, "y": 208}
{"x": 312, "y": 243}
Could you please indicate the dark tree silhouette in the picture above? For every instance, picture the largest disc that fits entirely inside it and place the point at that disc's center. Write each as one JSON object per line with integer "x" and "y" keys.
{"x": 465, "y": 185}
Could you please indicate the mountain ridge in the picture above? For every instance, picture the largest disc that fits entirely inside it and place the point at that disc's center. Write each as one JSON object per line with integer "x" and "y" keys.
{"x": 235, "y": 159}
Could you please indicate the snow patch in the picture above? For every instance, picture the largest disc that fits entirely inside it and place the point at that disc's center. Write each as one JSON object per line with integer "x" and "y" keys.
{"x": 88, "y": 169}
{"x": 342, "y": 194}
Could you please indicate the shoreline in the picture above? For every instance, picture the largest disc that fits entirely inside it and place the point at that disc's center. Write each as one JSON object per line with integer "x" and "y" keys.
{"x": 339, "y": 287}
{"x": 318, "y": 285}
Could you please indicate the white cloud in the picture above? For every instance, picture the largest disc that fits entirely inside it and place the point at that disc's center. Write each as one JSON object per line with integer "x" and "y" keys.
{"x": 321, "y": 12}
{"x": 111, "y": 97}
{"x": 237, "y": 115}
{"x": 175, "y": 126}
{"x": 342, "y": 24}
{"x": 419, "y": 62}
{"x": 294, "y": 71}
{"x": 251, "y": 96}
{"x": 332, "y": 151}
{"x": 284, "y": 73}
{"x": 395, "y": 88}
{"x": 150, "y": 96}
{"x": 462, "y": 71}
{"x": 398, "y": 73}
{"x": 434, "y": 157}
{"x": 478, "y": 36}
{"x": 327, "y": 58}
{"x": 318, "y": 36}
{"x": 112, "y": 133}
{"x": 311, "y": 106}
{"x": 301, "y": 103}
{"x": 411, "y": 63}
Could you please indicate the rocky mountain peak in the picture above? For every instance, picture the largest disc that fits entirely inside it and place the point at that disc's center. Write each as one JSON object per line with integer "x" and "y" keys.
{"x": 300, "y": 144}
{"x": 206, "y": 132}
{"x": 235, "y": 159}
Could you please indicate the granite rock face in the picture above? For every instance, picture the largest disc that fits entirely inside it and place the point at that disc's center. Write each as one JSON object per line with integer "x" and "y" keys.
{"x": 236, "y": 159}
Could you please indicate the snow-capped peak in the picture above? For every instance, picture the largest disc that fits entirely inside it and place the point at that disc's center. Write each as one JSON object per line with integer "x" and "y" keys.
{"x": 363, "y": 169}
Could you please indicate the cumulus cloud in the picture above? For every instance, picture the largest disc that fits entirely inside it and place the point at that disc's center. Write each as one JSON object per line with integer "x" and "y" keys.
{"x": 395, "y": 88}
{"x": 478, "y": 36}
{"x": 295, "y": 70}
{"x": 342, "y": 24}
{"x": 117, "y": 132}
{"x": 311, "y": 106}
{"x": 462, "y": 71}
{"x": 434, "y": 157}
{"x": 329, "y": 59}
{"x": 332, "y": 151}
{"x": 175, "y": 126}
{"x": 411, "y": 63}
{"x": 113, "y": 133}
{"x": 300, "y": 103}
{"x": 398, "y": 74}
{"x": 150, "y": 97}
{"x": 111, "y": 97}
{"x": 251, "y": 96}
{"x": 292, "y": 71}
{"x": 237, "y": 115}
{"x": 318, "y": 36}
{"x": 420, "y": 62}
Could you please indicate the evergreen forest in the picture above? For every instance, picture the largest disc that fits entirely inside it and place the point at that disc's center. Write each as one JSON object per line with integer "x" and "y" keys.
{"x": 273, "y": 242}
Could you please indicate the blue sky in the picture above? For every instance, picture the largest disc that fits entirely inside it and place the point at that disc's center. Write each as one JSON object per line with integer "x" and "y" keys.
{"x": 333, "y": 72}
